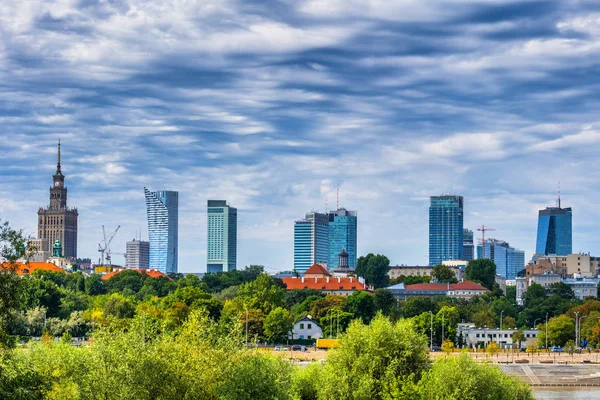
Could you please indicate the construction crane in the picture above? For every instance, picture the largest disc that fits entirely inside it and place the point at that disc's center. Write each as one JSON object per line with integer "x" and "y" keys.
{"x": 109, "y": 253}
{"x": 103, "y": 246}
{"x": 483, "y": 230}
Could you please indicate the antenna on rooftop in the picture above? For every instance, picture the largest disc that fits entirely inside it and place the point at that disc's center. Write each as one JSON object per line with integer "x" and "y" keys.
{"x": 558, "y": 194}
{"x": 337, "y": 198}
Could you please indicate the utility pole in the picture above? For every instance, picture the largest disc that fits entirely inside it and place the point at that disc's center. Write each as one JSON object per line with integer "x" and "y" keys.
{"x": 483, "y": 229}
{"x": 576, "y": 326}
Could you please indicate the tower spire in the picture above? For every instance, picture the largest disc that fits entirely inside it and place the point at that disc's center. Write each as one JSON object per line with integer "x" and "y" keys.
{"x": 58, "y": 172}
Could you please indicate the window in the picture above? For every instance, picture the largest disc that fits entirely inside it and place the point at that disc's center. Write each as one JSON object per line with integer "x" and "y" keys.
{"x": 309, "y": 326}
{"x": 301, "y": 326}
{"x": 309, "y": 337}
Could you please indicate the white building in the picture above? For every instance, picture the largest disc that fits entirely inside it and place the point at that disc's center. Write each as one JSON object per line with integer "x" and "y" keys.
{"x": 481, "y": 337}
{"x": 306, "y": 328}
{"x": 583, "y": 287}
{"x": 137, "y": 254}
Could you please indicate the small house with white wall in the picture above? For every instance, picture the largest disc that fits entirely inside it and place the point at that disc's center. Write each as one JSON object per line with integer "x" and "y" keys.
{"x": 306, "y": 328}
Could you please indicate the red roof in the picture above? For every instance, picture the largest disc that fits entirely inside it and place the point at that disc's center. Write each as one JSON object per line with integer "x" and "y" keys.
{"x": 334, "y": 284}
{"x": 152, "y": 273}
{"x": 466, "y": 285}
{"x": 30, "y": 267}
{"x": 317, "y": 269}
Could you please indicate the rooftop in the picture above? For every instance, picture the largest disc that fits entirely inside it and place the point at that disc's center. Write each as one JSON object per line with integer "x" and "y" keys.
{"x": 28, "y": 268}
{"x": 152, "y": 273}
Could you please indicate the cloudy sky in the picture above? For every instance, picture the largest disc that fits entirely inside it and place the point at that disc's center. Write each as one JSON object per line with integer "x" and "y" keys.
{"x": 273, "y": 105}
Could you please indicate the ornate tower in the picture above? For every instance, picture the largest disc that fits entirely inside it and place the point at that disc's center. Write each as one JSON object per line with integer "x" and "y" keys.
{"x": 57, "y": 222}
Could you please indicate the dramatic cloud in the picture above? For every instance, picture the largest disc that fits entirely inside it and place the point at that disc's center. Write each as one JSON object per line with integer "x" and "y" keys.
{"x": 273, "y": 105}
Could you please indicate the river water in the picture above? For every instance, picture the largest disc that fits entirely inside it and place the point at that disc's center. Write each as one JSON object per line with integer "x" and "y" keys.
{"x": 576, "y": 393}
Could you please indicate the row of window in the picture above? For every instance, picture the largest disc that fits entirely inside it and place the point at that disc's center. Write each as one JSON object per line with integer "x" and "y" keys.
{"x": 500, "y": 335}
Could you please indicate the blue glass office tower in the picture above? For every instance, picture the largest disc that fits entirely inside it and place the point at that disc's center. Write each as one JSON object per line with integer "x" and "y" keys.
{"x": 468, "y": 245}
{"x": 509, "y": 261}
{"x": 555, "y": 233}
{"x": 311, "y": 241}
{"x": 342, "y": 236}
{"x": 162, "y": 207}
{"x": 222, "y": 237}
{"x": 446, "y": 235}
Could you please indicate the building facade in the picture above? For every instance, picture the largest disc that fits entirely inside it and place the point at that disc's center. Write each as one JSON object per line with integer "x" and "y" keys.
{"x": 555, "y": 232}
{"x": 480, "y": 337}
{"x": 137, "y": 254}
{"x": 57, "y": 221}
{"x": 306, "y": 328}
{"x": 509, "y": 261}
{"x": 38, "y": 246}
{"x": 311, "y": 241}
{"x": 162, "y": 207}
{"x": 468, "y": 245}
{"x": 463, "y": 290}
{"x": 446, "y": 232}
{"x": 342, "y": 236}
{"x": 222, "y": 237}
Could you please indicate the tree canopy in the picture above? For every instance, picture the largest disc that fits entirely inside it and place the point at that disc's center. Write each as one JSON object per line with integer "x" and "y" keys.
{"x": 374, "y": 268}
{"x": 482, "y": 270}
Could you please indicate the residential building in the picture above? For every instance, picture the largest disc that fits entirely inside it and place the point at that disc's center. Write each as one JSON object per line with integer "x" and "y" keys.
{"x": 468, "y": 245}
{"x": 583, "y": 287}
{"x": 319, "y": 278}
{"x": 57, "y": 221}
{"x": 501, "y": 281}
{"x": 446, "y": 232}
{"x": 546, "y": 279}
{"x": 521, "y": 285}
{"x": 222, "y": 237}
{"x": 27, "y": 268}
{"x": 509, "y": 261}
{"x": 583, "y": 264}
{"x": 463, "y": 290}
{"x": 342, "y": 236}
{"x": 554, "y": 234}
{"x": 306, "y": 328}
{"x": 458, "y": 266}
{"x": 569, "y": 265}
{"x": 409, "y": 270}
{"x": 163, "y": 229}
{"x": 311, "y": 241}
{"x": 481, "y": 337}
{"x": 137, "y": 254}
{"x": 39, "y": 247}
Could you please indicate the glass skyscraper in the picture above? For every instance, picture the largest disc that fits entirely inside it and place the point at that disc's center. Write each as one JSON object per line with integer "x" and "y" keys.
{"x": 509, "y": 261}
{"x": 468, "y": 245}
{"x": 311, "y": 241}
{"x": 222, "y": 237}
{"x": 342, "y": 236}
{"x": 162, "y": 207}
{"x": 555, "y": 233}
{"x": 446, "y": 234}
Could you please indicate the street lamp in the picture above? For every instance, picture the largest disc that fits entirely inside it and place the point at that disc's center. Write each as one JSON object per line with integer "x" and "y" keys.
{"x": 536, "y": 320}
{"x": 431, "y": 332}
{"x": 501, "y": 312}
{"x": 546, "y": 331}
{"x": 576, "y": 324}
{"x": 484, "y": 337}
{"x": 579, "y": 330}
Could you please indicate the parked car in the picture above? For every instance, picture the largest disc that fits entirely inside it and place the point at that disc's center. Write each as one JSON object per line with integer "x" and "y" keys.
{"x": 436, "y": 348}
{"x": 556, "y": 349}
{"x": 298, "y": 347}
{"x": 277, "y": 348}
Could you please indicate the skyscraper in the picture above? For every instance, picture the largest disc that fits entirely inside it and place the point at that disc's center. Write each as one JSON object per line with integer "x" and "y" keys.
{"x": 311, "y": 241}
{"x": 222, "y": 237}
{"x": 342, "y": 236}
{"x": 468, "y": 246}
{"x": 509, "y": 261}
{"x": 137, "y": 254}
{"x": 57, "y": 221}
{"x": 555, "y": 233}
{"x": 163, "y": 215}
{"x": 446, "y": 235}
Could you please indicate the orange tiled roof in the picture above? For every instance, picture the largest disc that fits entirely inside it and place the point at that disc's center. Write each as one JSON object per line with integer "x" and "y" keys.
{"x": 334, "y": 284}
{"x": 467, "y": 285}
{"x": 30, "y": 267}
{"x": 317, "y": 269}
{"x": 152, "y": 273}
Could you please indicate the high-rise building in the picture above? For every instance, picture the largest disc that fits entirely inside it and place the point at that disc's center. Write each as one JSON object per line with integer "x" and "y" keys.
{"x": 468, "y": 245}
{"x": 57, "y": 221}
{"x": 342, "y": 236}
{"x": 509, "y": 261}
{"x": 311, "y": 241}
{"x": 555, "y": 234}
{"x": 222, "y": 237}
{"x": 446, "y": 234}
{"x": 137, "y": 254}
{"x": 163, "y": 219}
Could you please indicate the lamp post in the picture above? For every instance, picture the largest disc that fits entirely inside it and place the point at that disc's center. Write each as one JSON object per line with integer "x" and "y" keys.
{"x": 546, "y": 331}
{"x": 484, "y": 337}
{"x": 576, "y": 325}
{"x": 501, "y": 312}
{"x": 579, "y": 330}
{"x": 431, "y": 332}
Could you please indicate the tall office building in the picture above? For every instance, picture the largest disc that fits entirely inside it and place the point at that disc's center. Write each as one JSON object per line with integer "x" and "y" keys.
{"x": 342, "y": 236}
{"x": 509, "y": 261}
{"x": 555, "y": 233}
{"x": 311, "y": 241}
{"x": 163, "y": 219}
{"x": 446, "y": 234}
{"x": 137, "y": 254}
{"x": 57, "y": 221}
{"x": 222, "y": 237}
{"x": 468, "y": 245}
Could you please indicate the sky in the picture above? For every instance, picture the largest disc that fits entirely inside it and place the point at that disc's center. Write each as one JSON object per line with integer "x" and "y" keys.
{"x": 273, "y": 105}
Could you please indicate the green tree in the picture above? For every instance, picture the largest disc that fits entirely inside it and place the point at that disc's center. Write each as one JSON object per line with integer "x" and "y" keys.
{"x": 518, "y": 336}
{"x": 485, "y": 318}
{"x": 449, "y": 317}
{"x": 362, "y": 305}
{"x": 560, "y": 330}
{"x": 570, "y": 347}
{"x": 562, "y": 290}
{"x": 374, "y": 360}
{"x": 374, "y": 268}
{"x": 94, "y": 285}
{"x": 417, "y": 305}
{"x": 385, "y": 302}
{"x": 535, "y": 294}
{"x": 119, "y": 306}
{"x": 263, "y": 293}
{"x": 444, "y": 274}
{"x": 481, "y": 270}
{"x": 458, "y": 378}
{"x": 277, "y": 325}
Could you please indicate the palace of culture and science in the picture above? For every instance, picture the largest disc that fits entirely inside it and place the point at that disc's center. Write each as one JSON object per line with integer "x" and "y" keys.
{"x": 57, "y": 223}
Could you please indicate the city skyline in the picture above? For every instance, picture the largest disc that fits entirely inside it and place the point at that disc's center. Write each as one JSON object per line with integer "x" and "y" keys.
{"x": 275, "y": 111}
